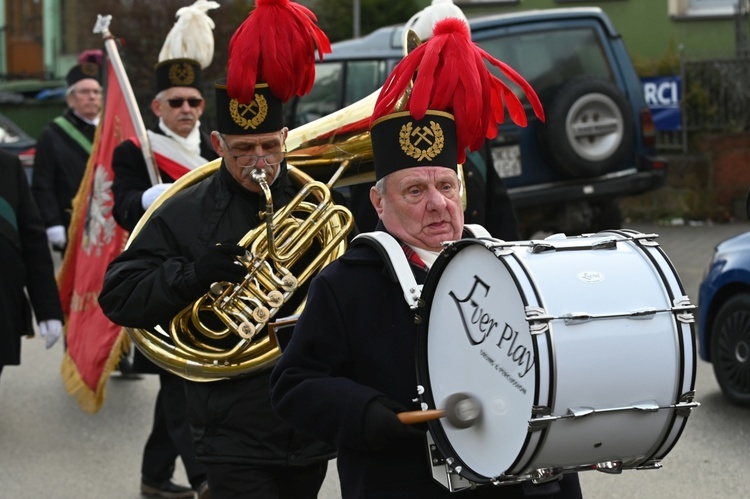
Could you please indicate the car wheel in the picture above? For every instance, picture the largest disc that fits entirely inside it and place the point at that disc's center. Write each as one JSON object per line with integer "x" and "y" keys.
{"x": 589, "y": 128}
{"x": 730, "y": 349}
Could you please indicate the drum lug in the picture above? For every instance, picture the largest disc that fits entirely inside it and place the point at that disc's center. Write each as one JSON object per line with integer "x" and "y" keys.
{"x": 538, "y": 319}
{"x": 443, "y": 471}
{"x": 685, "y": 405}
{"x": 683, "y": 310}
{"x": 541, "y": 418}
{"x": 544, "y": 475}
{"x": 609, "y": 467}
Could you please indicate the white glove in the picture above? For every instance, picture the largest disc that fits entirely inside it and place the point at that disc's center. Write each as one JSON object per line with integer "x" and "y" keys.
{"x": 56, "y": 236}
{"x": 50, "y": 331}
{"x": 153, "y": 192}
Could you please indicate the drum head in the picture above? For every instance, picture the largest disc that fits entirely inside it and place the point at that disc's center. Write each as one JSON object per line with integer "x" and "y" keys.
{"x": 475, "y": 339}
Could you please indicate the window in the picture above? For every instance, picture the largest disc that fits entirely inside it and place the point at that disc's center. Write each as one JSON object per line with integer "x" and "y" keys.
{"x": 323, "y": 99}
{"x": 703, "y": 8}
{"x": 337, "y": 85}
{"x": 550, "y": 58}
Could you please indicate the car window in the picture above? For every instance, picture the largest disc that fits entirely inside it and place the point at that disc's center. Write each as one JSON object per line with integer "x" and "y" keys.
{"x": 550, "y": 58}
{"x": 362, "y": 79}
{"x": 323, "y": 98}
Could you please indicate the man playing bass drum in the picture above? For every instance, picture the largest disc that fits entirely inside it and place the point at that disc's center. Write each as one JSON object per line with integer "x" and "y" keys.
{"x": 350, "y": 365}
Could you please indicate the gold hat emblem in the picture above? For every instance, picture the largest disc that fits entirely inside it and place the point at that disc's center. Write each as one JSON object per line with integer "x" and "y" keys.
{"x": 257, "y": 110}
{"x": 90, "y": 69}
{"x": 422, "y": 142}
{"x": 181, "y": 74}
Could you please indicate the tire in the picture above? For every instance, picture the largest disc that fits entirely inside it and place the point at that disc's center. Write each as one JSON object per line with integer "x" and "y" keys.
{"x": 730, "y": 349}
{"x": 589, "y": 128}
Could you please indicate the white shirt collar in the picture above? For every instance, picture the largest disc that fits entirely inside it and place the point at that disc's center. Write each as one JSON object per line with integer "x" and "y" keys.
{"x": 192, "y": 142}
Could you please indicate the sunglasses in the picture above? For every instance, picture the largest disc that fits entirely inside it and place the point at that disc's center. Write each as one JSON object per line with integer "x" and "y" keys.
{"x": 177, "y": 103}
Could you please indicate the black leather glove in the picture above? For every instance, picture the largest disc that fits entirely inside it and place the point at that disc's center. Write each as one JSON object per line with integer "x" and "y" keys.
{"x": 220, "y": 264}
{"x": 382, "y": 427}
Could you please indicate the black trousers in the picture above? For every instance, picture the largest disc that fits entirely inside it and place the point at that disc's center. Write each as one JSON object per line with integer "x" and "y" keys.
{"x": 244, "y": 481}
{"x": 170, "y": 436}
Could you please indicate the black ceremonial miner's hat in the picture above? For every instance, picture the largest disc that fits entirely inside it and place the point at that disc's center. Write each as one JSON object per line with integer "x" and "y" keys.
{"x": 261, "y": 76}
{"x": 178, "y": 73}
{"x": 405, "y": 142}
{"x": 263, "y": 114}
{"x": 81, "y": 72}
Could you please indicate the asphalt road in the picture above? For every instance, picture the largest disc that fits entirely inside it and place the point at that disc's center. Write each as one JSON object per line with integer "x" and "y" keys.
{"x": 49, "y": 448}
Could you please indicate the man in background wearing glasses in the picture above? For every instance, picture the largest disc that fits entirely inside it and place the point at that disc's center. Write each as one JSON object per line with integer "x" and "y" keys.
{"x": 63, "y": 150}
{"x": 179, "y": 146}
{"x": 178, "y": 143}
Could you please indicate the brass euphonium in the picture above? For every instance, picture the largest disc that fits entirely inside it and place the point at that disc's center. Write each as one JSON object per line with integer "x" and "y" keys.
{"x": 225, "y": 333}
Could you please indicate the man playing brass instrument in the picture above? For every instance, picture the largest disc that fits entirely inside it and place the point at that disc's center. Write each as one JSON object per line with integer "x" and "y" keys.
{"x": 190, "y": 242}
{"x": 179, "y": 146}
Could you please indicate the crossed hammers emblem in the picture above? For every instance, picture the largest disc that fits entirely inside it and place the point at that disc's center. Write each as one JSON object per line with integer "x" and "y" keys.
{"x": 251, "y": 108}
{"x": 423, "y": 134}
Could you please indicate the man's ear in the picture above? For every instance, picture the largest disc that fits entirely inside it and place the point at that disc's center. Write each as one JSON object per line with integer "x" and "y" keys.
{"x": 216, "y": 142}
{"x": 377, "y": 200}
{"x": 155, "y": 107}
{"x": 284, "y": 135}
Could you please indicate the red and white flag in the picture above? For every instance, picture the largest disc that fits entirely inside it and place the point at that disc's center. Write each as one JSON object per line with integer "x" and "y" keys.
{"x": 94, "y": 344}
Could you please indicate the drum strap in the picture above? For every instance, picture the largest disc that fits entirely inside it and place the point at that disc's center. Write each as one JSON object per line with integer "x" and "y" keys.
{"x": 477, "y": 231}
{"x": 398, "y": 267}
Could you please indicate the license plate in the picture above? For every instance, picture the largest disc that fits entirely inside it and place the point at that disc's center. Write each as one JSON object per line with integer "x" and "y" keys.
{"x": 507, "y": 160}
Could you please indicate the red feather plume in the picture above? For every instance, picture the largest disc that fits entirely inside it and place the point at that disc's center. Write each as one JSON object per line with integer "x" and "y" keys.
{"x": 448, "y": 73}
{"x": 276, "y": 44}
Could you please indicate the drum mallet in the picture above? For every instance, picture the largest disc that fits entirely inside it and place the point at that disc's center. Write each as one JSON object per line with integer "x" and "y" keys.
{"x": 460, "y": 409}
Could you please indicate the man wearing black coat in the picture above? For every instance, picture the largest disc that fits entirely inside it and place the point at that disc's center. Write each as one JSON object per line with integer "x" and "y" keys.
{"x": 26, "y": 265}
{"x": 179, "y": 146}
{"x": 191, "y": 241}
{"x": 63, "y": 150}
{"x": 351, "y": 364}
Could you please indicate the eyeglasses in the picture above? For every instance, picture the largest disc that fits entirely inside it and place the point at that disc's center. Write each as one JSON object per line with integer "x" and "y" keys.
{"x": 250, "y": 160}
{"x": 177, "y": 103}
{"x": 87, "y": 91}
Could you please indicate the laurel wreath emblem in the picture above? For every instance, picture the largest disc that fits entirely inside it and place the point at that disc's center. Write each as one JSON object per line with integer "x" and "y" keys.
{"x": 255, "y": 121}
{"x": 89, "y": 69}
{"x": 405, "y": 140}
{"x": 181, "y": 74}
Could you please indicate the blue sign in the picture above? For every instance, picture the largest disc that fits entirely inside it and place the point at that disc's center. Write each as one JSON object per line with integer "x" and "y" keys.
{"x": 663, "y": 96}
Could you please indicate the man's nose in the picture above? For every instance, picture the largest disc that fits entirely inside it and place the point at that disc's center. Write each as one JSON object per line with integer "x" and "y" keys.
{"x": 435, "y": 198}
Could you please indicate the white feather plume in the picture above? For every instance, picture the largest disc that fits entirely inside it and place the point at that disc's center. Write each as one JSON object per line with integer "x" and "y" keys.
{"x": 192, "y": 36}
{"x": 423, "y": 22}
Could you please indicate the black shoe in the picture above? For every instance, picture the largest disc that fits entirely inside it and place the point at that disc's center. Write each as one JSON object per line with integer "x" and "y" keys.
{"x": 203, "y": 491}
{"x": 126, "y": 369}
{"x": 166, "y": 489}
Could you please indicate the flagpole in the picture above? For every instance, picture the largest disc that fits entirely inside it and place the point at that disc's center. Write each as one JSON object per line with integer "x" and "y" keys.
{"x": 102, "y": 26}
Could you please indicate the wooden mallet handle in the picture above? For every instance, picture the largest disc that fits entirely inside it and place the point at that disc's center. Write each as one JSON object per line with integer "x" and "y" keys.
{"x": 416, "y": 417}
{"x": 461, "y": 410}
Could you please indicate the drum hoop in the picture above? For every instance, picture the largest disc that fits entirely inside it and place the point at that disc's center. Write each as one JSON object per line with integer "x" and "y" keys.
{"x": 423, "y": 377}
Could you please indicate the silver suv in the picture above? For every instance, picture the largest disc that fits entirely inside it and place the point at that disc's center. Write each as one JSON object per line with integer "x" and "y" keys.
{"x": 563, "y": 175}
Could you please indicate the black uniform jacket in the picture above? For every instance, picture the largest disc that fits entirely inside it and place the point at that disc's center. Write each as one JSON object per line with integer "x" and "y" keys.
{"x": 25, "y": 262}
{"x": 132, "y": 178}
{"x": 59, "y": 165}
{"x": 355, "y": 341}
{"x": 151, "y": 281}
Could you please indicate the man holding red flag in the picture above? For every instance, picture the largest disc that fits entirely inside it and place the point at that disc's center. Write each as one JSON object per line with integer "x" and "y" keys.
{"x": 94, "y": 344}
